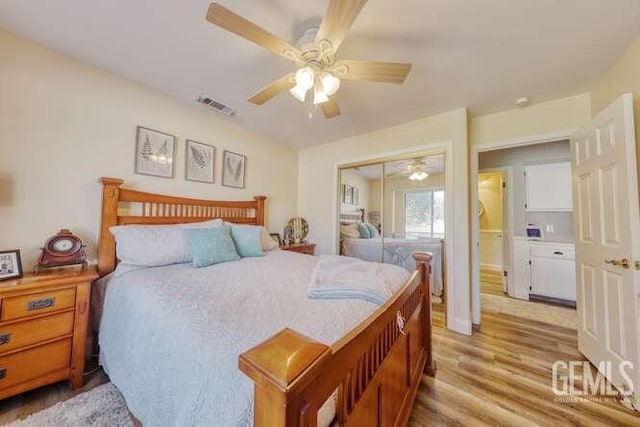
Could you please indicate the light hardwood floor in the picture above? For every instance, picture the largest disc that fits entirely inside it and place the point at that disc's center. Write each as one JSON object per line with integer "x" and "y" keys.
{"x": 502, "y": 376}
{"x": 499, "y": 376}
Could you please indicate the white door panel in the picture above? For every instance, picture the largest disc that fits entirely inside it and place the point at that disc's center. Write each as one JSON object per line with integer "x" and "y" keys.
{"x": 607, "y": 231}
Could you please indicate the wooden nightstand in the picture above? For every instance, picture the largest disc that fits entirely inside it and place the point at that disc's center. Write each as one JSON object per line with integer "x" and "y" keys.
{"x": 43, "y": 330}
{"x": 303, "y": 248}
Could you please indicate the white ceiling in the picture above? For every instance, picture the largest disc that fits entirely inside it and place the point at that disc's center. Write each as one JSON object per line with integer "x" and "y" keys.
{"x": 481, "y": 54}
{"x": 433, "y": 164}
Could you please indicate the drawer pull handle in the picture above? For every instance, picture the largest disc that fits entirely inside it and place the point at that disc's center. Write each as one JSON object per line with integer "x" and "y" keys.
{"x": 558, "y": 253}
{"x": 3, "y": 373}
{"x": 39, "y": 304}
{"x": 5, "y": 338}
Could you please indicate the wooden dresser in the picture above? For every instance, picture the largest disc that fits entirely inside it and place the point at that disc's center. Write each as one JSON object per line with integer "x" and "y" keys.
{"x": 303, "y": 248}
{"x": 43, "y": 329}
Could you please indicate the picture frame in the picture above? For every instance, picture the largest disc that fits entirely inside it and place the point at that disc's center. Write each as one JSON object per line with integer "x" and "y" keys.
{"x": 348, "y": 195}
{"x": 10, "y": 265}
{"x": 155, "y": 153}
{"x": 233, "y": 169}
{"x": 200, "y": 162}
{"x": 276, "y": 237}
{"x": 355, "y": 198}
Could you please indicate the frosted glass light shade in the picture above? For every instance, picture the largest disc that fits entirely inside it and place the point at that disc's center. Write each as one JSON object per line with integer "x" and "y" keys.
{"x": 304, "y": 78}
{"x": 330, "y": 83}
{"x": 319, "y": 96}
{"x": 299, "y": 92}
{"x": 418, "y": 176}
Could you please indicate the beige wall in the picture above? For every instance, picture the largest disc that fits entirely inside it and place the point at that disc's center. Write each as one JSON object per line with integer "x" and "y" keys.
{"x": 489, "y": 193}
{"x": 621, "y": 78}
{"x": 317, "y": 185}
{"x": 546, "y": 117}
{"x": 351, "y": 177}
{"x": 64, "y": 123}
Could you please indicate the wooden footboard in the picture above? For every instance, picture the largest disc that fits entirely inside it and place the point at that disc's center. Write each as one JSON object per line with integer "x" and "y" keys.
{"x": 376, "y": 368}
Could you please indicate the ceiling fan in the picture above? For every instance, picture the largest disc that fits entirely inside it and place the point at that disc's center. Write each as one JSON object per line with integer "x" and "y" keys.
{"x": 318, "y": 71}
{"x": 415, "y": 171}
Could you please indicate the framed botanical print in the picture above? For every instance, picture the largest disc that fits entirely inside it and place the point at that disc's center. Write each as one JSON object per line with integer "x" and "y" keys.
{"x": 200, "y": 161}
{"x": 155, "y": 152}
{"x": 233, "y": 169}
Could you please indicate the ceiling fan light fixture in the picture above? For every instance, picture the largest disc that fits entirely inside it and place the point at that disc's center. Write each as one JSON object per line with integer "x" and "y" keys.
{"x": 305, "y": 78}
{"x": 418, "y": 175}
{"x": 299, "y": 92}
{"x": 330, "y": 83}
{"x": 319, "y": 95}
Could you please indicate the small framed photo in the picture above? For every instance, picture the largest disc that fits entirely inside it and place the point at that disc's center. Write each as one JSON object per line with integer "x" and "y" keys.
{"x": 155, "y": 152}
{"x": 200, "y": 161}
{"x": 233, "y": 169}
{"x": 10, "y": 265}
{"x": 276, "y": 237}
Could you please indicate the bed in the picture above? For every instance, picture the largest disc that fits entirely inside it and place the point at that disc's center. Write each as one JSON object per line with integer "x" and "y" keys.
{"x": 399, "y": 252}
{"x": 172, "y": 337}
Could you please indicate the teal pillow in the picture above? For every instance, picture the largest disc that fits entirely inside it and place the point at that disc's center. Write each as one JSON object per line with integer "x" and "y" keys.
{"x": 364, "y": 231}
{"x": 210, "y": 246}
{"x": 373, "y": 232}
{"x": 248, "y": 240}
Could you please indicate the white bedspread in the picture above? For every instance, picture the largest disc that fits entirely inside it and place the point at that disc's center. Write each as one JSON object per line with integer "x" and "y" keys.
{"x": 398, "y": 252}
{"x": 170, "y": 336}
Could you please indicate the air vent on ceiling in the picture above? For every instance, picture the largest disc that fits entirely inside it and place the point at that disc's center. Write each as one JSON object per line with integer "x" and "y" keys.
{"x": 215, "y": 105}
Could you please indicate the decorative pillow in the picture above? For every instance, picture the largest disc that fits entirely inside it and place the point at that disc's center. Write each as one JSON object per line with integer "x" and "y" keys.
{"x": 150, "y": 245}
{"x": 210, "y": 246}
{"x": 373, "y": 231}
{"x": 364, "y": 231}
{"x": 349, "y": 231}
{"x": 212, "y": 223}
{"x": 155, "y": 245}
{"x": 268, "y": 244}
{"x": 248, "y": 239}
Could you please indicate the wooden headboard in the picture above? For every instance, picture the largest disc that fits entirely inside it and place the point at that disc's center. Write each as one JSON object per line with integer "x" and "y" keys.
{"x": 121, "y": 206}
{"x": 353, "y": 217}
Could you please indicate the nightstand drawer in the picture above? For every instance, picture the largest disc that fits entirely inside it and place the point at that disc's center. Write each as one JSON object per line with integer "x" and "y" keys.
{"x": 30, "y": 364}
{"x": 30, "y": 332}
{"x": 34, "y": 304}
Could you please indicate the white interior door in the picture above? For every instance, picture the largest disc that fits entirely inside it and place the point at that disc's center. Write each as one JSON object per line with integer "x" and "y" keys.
{"x": 607, "y": 233}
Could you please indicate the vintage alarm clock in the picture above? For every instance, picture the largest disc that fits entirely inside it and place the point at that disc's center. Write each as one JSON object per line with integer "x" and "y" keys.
{"x": 65, "y": 248}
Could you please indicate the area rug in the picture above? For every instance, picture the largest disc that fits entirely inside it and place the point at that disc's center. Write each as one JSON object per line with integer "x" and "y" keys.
{"x": 554, "y": 315}
{"x": 102, "y": 406}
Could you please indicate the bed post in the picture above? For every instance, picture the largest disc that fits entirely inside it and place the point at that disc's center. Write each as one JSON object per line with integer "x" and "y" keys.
{"x": 260, "y": 209}
{"x": 423, "y": 265}
{"x": 281, "y": 368}
{"x": 106, "y": 242}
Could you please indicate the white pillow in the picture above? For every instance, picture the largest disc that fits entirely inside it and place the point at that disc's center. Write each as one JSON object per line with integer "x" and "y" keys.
{"x": 268, "y": 244}
{"x": 349, "y": 231}
{"x": 155, "y": 245}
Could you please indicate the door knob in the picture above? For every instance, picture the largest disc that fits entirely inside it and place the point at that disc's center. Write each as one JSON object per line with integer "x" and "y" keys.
{"x": 624, "y": 263}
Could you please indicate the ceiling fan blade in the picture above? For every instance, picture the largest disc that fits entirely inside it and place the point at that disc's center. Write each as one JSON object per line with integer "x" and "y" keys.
{"x": 280, "y": 85}
{"x": 224, "y": 18}
{"x": 338, "y": 19}
{"x": 385, "y": 72}
{"x": 330, "y": 108}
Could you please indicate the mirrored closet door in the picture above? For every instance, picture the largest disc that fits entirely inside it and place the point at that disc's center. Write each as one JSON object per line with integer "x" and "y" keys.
{"x": 392, "y": 208}
{"x": 361, "y": 212}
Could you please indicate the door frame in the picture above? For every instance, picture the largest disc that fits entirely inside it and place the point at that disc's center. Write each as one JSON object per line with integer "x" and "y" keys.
{"x": 449, "y": 266}
{"x": 475, "y": 221}
{"x": 507, "y": 222}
